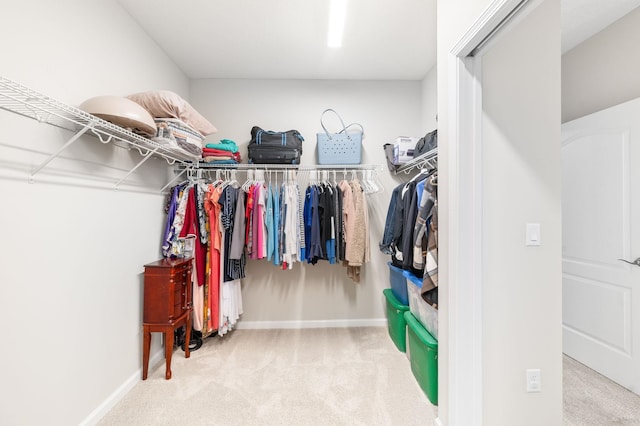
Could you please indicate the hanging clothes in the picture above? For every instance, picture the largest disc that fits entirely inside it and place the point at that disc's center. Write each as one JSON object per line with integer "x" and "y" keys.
{"x": 190, "y": 228}
{"x": 170, "y": 210}
{"x": 269, "y": 224}
{"x": 263, "y": 221}
{"x": 312, "y": 225}
{"x": 327, "y": 219}
{"x": 291, "y": 224}
{"x": 429, "y": 216}
{"x": 215, "y": 237}
{"x": 237, "y": 240}
{"x": 409, "y": 213}
{"x": 233, "y": 267}
{"x": 338, "y": 224}
{"x": 420, "y": 234}
{"x": 398, "y": 236}
{"x": 276, "y": 226}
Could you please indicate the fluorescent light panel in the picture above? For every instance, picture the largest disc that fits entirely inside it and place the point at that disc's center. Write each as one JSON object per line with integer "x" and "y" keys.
{"x": 337, "y": 13}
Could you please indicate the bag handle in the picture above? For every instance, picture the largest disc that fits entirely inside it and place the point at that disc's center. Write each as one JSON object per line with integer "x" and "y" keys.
{"x": 353, "y": 124}
{"x": 283, "y": 135}
{"x": 344, "y": 128}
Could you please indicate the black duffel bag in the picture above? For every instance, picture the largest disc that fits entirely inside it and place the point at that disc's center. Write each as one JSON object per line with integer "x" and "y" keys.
{"x": 268, "y": 147}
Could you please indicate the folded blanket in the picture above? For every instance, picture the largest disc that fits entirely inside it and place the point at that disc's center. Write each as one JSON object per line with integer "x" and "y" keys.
{"x": 211, "y": 151}
{"x": 208, "y": 152}
{"x": 225, "y": 145}
{"x": 235, "y": 156}
{"x": 210, "y": 158}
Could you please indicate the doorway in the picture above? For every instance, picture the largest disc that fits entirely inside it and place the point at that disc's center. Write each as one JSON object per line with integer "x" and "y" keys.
{"x": 601, "y": 299}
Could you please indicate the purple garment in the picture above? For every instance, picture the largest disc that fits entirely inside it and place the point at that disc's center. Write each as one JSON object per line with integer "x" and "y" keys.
{"x": 167, "y": 238}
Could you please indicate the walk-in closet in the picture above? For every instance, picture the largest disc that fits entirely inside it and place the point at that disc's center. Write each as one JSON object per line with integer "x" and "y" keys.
{"x": 90, "y": 213}
{"x": 89, "y": 210}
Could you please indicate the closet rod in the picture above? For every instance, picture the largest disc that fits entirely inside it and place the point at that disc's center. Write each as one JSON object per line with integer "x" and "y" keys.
{"x": 245, "y": 166}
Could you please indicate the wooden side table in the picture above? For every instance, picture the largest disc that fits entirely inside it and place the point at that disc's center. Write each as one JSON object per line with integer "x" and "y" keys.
{"x": 167, "y": 306}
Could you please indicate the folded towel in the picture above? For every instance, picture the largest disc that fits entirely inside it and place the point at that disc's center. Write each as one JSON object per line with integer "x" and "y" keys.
{"x": 222, "y": 162}
{"x": 225, "y": 145}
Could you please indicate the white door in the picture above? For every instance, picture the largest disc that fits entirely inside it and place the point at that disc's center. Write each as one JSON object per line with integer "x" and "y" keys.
{"x": 601, "y": 224}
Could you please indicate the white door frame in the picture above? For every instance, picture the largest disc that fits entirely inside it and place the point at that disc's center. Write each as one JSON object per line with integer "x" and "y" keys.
{"x": 464, "y": 164}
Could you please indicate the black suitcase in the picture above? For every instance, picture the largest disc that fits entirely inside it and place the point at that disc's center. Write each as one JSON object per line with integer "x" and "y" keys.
{"x": 269, "y": 147}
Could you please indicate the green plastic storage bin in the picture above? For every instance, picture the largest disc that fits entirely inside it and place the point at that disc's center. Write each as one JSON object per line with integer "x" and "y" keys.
{"x": 424, "y": 357}
{"x": 396, "y": 322}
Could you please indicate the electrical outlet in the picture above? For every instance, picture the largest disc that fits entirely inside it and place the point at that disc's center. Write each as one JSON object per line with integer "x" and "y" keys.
{"x": 534, "y": 380}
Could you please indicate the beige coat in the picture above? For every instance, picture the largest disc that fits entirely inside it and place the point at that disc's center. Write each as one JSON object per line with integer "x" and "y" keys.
{"x": 356, "y": 221}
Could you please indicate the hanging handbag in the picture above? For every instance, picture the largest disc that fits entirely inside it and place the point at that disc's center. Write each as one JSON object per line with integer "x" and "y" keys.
{"x": 341, "y": 147}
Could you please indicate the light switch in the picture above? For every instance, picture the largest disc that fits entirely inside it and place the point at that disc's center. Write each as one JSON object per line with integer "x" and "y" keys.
{"x": 533, "y": 234}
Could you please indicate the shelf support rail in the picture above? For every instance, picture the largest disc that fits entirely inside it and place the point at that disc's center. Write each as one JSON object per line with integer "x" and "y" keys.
{"x": 174, "y": 179}
{"x": 146, "y": 157}
{"x": 59, "y": 150}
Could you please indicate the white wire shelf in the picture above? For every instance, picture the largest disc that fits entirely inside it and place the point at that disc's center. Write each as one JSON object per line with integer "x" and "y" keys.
{"x": 24, "y": 101}
{"x": 428, "y": 160}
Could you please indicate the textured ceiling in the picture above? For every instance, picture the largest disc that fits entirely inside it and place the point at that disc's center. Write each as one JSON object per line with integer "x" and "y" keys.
{"x": 287, "y": 39}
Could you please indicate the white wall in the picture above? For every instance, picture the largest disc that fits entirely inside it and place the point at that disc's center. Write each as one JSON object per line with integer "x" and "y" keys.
{"x": 522, "y": 310}
{"x": 603, "y": 70}
{"x": 72, "y": 257}
{"x": 430, "y": 100}
{"x": 386, "y": 109}
{"x": 518, "y": 160}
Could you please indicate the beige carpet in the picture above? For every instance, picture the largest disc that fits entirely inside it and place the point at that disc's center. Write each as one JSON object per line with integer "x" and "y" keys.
{"x": 592, "y": 399}
{"x": 335, "y": 376}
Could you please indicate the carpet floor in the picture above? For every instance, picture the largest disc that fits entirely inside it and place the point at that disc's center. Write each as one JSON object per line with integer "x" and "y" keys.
{"x": 592, "y": 399}
{"x": 329, "y": 376}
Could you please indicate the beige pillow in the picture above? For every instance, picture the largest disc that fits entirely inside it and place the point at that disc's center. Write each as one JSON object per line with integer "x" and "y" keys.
{"x": 167, "y": 104}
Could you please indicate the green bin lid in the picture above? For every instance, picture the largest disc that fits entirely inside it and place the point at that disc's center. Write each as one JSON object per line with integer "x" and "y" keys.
{"x": 394, "y": 300}
{"x": 420, "y": 331}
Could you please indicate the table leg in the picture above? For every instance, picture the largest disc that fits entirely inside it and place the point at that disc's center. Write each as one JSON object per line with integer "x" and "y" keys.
{"x": 146, "y": 347}
{"x": 168, "y": 351}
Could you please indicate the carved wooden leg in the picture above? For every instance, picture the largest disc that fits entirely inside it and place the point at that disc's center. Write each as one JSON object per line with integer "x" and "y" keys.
{"x": 168, "y": 350}
{"x": 146, "y": 347}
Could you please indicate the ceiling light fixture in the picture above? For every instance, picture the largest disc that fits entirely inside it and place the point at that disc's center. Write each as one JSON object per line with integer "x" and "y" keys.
{"x": 337, "y": 13}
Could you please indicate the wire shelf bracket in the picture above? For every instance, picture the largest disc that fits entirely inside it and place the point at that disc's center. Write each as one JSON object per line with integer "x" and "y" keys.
{"x": 59, "y": 151}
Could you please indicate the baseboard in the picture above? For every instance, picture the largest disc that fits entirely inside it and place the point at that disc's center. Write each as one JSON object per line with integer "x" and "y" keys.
{"x": 345, "y": 323}
{"x": 118, "y": 394}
